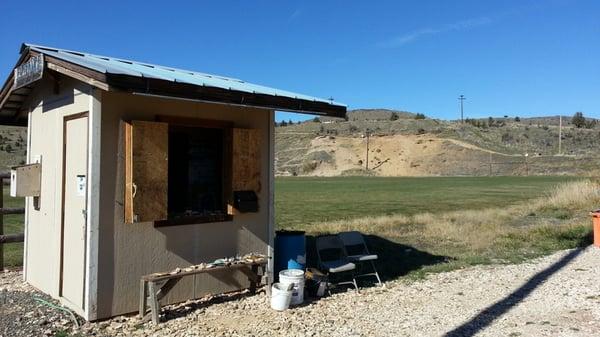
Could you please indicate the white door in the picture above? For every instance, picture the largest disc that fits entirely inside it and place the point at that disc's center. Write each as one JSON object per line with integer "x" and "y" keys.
{"x": 74, "y": 209}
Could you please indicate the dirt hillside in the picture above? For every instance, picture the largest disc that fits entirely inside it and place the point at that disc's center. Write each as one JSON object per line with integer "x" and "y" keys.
{"x": 401, "y": 145}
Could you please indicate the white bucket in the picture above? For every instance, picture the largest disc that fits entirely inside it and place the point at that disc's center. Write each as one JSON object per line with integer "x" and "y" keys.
{"x": 295, "y": 277}
{"x": 280, "y": 296}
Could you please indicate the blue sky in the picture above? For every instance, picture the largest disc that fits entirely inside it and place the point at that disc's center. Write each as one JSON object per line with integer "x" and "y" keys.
{"x": 524, "y": 58}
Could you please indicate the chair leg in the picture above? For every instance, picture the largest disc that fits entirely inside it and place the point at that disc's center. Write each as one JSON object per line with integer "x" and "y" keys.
{"x": 355, "y": 284}
{"x": 376, "y": 274}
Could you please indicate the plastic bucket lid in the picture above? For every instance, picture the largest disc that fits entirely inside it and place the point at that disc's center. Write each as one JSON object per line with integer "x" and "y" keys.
{"x": 292, "y": 273}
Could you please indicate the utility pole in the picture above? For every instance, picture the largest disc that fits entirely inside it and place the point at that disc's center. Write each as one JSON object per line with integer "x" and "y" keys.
{"x": 559, "y": 135}
{"x": 367, "y": 133}
{"x": 461, "y": 99}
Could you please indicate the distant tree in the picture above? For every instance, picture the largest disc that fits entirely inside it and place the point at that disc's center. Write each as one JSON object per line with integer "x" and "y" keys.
{"x": 517, "y": 119}
{"x": 505, "y": 116}
{"x": 394, "y": 116}
{"x": 578, "y": 120}
{"x": 8, "y": 148}
{"x": 490, "y": 122}
{"x": 590, "y": 124}
{"x": 290, "y": 122}
{"x": 283, "y": 123}
{"x": 420, "y": 116}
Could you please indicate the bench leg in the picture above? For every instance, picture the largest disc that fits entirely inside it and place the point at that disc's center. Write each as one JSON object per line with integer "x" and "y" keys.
{"x": 143, "y": 297}
{"x": 253, "y": 281}
{"x": 154, "y": 306}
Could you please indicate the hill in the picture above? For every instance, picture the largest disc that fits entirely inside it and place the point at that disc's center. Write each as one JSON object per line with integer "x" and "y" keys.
{"x": 401, "y": 145}
{"x": 406, "y": 146}
{"x": 13, "y": 147}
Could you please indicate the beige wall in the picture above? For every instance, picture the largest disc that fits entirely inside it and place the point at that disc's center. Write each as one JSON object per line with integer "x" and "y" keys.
{"x": 128, "y": 251}
{"x": 43, "y": 228}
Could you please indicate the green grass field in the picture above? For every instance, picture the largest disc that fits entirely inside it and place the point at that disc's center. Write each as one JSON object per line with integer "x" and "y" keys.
{"x": 301, "y": 201}
{"x": 13, "y": 252}
{"x": 422, "y": 225}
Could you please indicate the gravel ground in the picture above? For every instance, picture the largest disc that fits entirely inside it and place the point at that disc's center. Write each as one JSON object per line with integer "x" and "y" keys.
{"x": 558, "y": 295}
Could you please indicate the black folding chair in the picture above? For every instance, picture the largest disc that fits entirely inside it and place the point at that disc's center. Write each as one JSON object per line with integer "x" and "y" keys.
{"x": 356, "y": 247}
{"x": 333, "y": 259}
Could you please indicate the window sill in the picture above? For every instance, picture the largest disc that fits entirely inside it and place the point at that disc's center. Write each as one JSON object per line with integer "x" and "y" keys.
{"x": 193, "y": 220}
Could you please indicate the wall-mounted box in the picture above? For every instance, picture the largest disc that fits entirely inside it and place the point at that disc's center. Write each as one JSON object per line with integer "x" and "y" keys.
{"x": 25, "y": 180}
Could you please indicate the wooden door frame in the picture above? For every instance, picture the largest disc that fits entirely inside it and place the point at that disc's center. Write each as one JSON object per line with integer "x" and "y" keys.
{"x": 62, "y": 205}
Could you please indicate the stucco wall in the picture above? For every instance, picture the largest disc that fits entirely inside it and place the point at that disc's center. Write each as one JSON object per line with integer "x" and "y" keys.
{"x": 128, "y": 251}
{"x": 48, "y": 110}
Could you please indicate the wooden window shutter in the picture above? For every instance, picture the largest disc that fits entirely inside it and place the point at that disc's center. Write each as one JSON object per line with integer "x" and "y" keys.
{"x": 246, "y": 160}
{"x": 146, "y": 171}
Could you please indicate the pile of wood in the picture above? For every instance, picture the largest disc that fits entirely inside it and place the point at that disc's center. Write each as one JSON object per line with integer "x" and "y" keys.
{"x": 251, "y": 258}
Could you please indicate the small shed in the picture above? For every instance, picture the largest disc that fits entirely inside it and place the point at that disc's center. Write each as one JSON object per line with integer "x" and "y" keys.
{"x": 138, "y": 165}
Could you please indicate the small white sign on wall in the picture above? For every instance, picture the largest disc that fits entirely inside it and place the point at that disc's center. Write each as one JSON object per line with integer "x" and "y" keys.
{"x": 81, "y": 182}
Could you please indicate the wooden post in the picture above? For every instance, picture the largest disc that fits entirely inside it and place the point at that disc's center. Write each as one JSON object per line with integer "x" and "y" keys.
{"x": 560, "y": 135}
{"x": 367, "y": 166}
{"x": 154, "y": 307}
{"x": 143, "y": 297}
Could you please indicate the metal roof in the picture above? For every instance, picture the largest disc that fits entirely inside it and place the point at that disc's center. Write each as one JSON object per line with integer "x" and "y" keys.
{"x": 117, "y": 66}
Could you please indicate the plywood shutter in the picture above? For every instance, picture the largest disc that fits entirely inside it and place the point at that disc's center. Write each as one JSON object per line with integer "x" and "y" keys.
{"x": 146, "y": 171}
{"x": 246, "y": 160}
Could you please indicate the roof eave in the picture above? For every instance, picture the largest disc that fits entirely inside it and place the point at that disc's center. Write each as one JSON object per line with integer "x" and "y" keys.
{"x": 157, "y": 87}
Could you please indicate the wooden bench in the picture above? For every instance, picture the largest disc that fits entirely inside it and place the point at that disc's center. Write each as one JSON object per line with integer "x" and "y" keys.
{"x": 154, "y": 287}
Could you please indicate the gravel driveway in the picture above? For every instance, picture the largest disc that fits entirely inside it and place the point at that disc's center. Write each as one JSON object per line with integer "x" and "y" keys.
{"x": 558, "y": 295}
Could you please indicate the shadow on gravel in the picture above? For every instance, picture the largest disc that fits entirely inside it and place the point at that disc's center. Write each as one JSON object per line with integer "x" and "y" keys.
{"x": 491, "y": 313}
{"x": 179, "y": 310}
{"x": 395, "y": 260}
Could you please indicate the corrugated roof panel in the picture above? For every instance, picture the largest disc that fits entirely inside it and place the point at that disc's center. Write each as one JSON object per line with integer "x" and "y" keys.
{"x": 110, "y": 65}
{"x": 97, "y": 65}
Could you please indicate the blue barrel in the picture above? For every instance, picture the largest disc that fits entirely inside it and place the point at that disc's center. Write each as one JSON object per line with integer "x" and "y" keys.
{"x": 290, "y": 250}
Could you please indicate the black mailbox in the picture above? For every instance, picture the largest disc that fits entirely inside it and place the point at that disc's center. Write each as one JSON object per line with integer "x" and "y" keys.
{"x": 245, "y": 201}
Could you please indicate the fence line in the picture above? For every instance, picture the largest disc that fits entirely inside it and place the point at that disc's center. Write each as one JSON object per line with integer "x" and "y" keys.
{"x": 7, "y": 238}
